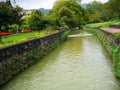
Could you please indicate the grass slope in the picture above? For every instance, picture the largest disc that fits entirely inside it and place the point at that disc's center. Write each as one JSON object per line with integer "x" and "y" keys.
{"x": 104, "y": 24}
{"x": 21, "y": 37}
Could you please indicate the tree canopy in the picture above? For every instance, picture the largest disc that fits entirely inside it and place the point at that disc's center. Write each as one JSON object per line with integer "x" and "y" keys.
{"x": 8, "y": 14}
{"x": 68, "y": 12}
{"x": 113, "y": 9}
{"x": 95, "y": 11}
{"x": 34, "y": 20}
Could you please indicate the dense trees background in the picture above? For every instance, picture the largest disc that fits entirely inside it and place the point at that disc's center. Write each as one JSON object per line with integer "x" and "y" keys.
{"x": 99, "y": 12}
{"x": 113, "y": 9}
{"x": 95, "y": 11}
{"x": 34, "y": 20}
{"x": 68, "y": 13}
{"x": 65, "y": 13}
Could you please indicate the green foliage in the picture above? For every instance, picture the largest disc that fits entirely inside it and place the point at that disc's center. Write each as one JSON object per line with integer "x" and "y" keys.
{"x": 17, "y": 63}
{"x": 37, "y": 21}
{"x": 56, "y": 23}
{"x": 65, "y": 36}
{"x": 64, "y": 11}
{"x": 95, "y": 12}
{"x": 64, "y": 25}
{"x": 47, "y": 22}
{"x": 9, "y": 15}
{"x": 13, "y": 27}
{"x": 104, "y": 24}
{"x": 113, "y": 9}
{"x": 21, "y": 37}
{"x": 117, "y": 35}
{"x": 68, "y": 12}
{"x": 110, "y": 45}
{"x": 99, "y": 12}
{"x": 55, "y": 45}
{"x": 115, "y": 53}
{"x": 95, "y": 17}
{"x": 34, "y": 20}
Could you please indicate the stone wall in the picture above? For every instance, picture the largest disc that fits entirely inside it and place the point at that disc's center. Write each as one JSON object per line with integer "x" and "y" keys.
{"x": 111, "y": 44}
{"x": 16, "y": 58}
{"x": 115, "y": 26}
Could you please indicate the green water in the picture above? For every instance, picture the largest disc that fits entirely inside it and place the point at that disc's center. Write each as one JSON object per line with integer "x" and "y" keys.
{"x": 81, "y": 63}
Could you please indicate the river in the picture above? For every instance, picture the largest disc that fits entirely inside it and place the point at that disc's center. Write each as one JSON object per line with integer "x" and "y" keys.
{"x": 81, "y": 63}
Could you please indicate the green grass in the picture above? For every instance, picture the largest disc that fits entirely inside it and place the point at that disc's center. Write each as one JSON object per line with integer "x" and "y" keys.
{"x": 104, "y": 24}
{"x": 21, "y": 37}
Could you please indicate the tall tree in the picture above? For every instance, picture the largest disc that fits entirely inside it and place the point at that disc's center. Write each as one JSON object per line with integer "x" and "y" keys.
{"x": 34, "y": 20}
{"x": 96, "y": 11}
{"x": 8, "y": 15}
{"x": 113, "y": 9}
{"x": 68, "y": 12}
{"x": 67, "y": 16}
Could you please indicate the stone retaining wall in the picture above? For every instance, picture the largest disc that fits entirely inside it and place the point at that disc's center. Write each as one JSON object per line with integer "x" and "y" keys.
{"x": 115, "y": 26}
{"x": 16, "y": 58}
{"x": 111, "y": 44}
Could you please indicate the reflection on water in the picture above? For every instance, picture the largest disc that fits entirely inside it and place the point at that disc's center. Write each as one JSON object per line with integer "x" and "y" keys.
{"x": 80, "y": 34}
{"x": 79, "y": 64}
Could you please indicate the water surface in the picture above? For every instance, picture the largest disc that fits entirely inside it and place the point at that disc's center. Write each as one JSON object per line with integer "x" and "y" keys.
{"x": 81, "y": 63}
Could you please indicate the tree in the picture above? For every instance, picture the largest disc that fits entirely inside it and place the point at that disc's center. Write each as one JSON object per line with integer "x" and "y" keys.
{"x": 68, "y": 12}
{"x": 95, "y": 17}
{"x": 48, "y": 21}
{"x": 8, "y": 2}
{"x": 113, "y": 9}
{"x": 9, "y": 15}
{"x": 95, "y": 11}
{"x": 67, "y": 16}
{"x": 34, "y": 20}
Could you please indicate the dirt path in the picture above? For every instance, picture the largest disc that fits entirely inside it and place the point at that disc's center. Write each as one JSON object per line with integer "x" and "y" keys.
{"x": 111, "y": 30}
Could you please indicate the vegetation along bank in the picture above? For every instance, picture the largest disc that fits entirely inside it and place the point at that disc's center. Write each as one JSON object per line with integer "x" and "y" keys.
{"x": 67, "y": 14}
{"x": 111, "y": 42}
{"x": 16, "y": 58}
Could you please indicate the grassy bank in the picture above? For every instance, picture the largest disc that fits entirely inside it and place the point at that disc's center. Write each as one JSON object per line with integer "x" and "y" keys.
{"x": 104, "y": 24}
{"x": 21, "y": 37}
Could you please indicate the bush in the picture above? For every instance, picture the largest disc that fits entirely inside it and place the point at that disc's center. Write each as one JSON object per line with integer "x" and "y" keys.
{"x": 65, "y": 36}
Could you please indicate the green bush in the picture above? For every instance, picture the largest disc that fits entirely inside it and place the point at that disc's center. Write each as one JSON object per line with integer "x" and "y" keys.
{"x": 65, "y": 36}
{"x": 117, "y": 35}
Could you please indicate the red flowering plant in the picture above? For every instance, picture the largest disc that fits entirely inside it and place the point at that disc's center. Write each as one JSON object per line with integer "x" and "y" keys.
{"x": 5, "y": 33}
{"x": 25, "y": 31}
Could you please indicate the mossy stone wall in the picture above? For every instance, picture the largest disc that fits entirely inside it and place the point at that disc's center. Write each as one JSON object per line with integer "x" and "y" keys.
{"x": 111, "y": 44}
{"x": 16, "y": 58}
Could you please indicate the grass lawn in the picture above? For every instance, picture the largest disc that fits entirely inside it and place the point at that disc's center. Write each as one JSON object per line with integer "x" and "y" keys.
{"x": 104, "y": 24}
{"x": 21, "y": 37}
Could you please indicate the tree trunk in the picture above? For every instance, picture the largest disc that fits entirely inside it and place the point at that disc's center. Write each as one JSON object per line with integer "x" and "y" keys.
{"x": 0, "y": 39}
{"x": 79, "y": 26}
{"x": 17, "y": 29}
